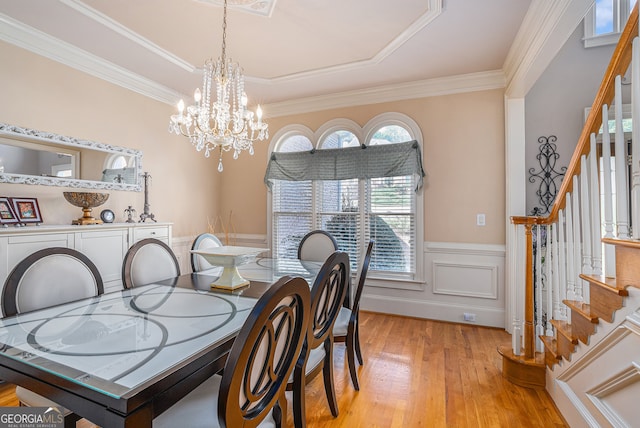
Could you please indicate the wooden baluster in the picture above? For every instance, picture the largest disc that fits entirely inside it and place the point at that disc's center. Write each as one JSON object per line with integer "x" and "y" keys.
{"x": 577, "y": 244}
{"x": 571, "y": 276}
{"x": 596, "y": 226}
{"x": 585, "y": 216}
{"x": 635, "y": 135}
{"x": 622, "y": 187}
{"x": 609, "y": 250}
{"x": 585, "y": 225}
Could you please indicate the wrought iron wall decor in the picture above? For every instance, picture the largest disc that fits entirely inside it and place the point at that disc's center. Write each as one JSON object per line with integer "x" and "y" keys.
{"x": 547, "y": 175}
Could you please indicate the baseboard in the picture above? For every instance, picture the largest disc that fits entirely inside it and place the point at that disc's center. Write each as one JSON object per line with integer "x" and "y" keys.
{"x": 441, "y": 311}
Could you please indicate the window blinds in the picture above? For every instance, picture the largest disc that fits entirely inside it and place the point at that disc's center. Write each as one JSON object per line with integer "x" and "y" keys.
{"x": 385, "y": 160}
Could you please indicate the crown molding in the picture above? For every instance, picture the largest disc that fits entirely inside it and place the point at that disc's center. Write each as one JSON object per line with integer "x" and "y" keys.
{"x": 420, "y": 89}
{"x": 120, "y": 29}
{"x": 26, "y": 37}
{"x": 544, "y": 30}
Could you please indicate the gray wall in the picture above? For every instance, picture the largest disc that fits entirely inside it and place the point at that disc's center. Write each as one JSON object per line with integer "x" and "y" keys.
{"x": 555, "y": 105}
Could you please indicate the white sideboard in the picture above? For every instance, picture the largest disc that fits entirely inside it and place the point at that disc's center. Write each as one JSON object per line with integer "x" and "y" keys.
{"x": 105, "y": 244}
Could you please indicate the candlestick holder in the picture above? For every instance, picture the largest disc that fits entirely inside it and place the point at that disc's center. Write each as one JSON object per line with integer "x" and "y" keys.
{"x": 146, "y": 214}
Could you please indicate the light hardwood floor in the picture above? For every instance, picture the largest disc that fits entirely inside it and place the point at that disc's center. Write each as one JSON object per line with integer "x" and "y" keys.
{"x": 421, "y": 373}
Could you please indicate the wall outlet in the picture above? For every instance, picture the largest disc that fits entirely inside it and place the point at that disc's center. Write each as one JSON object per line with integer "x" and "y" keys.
{"x": 469, "y": 317}
{"x": 480, "y": 220}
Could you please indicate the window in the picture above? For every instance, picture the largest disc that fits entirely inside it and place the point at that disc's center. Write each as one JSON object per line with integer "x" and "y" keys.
{"x": 605, "y": 21}
{"x": 354, "y": 210}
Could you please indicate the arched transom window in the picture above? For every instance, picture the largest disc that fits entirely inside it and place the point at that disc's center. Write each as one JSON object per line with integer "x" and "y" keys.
{"x": 369, "y": 199}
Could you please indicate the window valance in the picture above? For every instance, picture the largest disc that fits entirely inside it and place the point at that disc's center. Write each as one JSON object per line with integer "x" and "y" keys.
{"x": 386, "y": 160}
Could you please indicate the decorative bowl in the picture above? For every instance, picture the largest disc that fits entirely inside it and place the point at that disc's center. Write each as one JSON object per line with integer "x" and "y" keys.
{"x": 87, "y": 201}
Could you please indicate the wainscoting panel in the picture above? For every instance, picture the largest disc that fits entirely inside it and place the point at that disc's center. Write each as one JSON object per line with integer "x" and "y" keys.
{"x": 469, "y": 280}
{"x": 463, "y": 283}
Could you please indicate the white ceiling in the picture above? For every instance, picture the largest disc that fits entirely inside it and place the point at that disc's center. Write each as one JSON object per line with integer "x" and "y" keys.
{"x": 289, "y": 49}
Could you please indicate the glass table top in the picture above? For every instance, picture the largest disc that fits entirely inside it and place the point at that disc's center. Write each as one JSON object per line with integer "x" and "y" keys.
{"x": 118, "y": 341}
{"x": 270, "y": 270}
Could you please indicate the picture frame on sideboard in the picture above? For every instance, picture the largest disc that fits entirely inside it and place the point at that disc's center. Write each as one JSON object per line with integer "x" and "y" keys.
{"x": 7, "y": 215}
{"x": 26, "y": 210}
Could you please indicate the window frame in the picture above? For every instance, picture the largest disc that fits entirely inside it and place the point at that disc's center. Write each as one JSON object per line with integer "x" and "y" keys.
{"x": 364, "y": 134}
{"x": 621, "y": 12}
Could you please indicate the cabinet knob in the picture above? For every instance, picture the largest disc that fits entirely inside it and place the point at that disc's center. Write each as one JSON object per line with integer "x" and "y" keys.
{"x": 153, "y": 233}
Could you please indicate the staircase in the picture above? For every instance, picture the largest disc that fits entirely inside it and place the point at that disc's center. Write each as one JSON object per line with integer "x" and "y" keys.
{"x": 577, "y": 333}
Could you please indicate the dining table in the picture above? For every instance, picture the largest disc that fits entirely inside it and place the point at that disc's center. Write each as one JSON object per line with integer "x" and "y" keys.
{"x": 120, "y": 359}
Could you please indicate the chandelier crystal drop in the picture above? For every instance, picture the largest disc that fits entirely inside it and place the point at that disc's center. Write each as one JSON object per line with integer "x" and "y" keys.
{"x": 219, "y": 118}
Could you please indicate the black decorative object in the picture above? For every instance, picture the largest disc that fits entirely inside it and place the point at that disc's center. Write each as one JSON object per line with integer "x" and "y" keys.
{"x": 146, "y": 213}
{"x": 547, "y": 175}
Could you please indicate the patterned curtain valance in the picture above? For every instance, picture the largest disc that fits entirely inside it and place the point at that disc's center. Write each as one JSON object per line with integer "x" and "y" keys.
{"x": 387, "y": 160}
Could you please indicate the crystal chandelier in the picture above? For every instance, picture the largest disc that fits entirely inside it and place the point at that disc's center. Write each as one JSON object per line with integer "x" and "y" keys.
{"x": 220, "y": 120}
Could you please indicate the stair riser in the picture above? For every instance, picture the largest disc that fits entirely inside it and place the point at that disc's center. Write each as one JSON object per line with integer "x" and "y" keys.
{"x": 565, "y": 347}
{"x": 627, "y": 266}
{"x": 604, "y": 303}
{"x": 582, "y": 328}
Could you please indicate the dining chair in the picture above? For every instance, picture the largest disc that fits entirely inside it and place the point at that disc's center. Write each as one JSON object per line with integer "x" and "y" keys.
{"x": 327, "y": 295}
{"x": 49, "y": 277}
{"x": 251, "y": 390}
{"x": 316, "y": 246}
{"x": 147, "y": 261}
{"x": 203, "y": 242}
{"x": 346, "y": 328}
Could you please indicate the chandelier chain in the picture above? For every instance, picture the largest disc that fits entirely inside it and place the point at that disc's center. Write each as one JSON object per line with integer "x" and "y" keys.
{"x": 219, "y": 118}
{"x": 224, "y": 37}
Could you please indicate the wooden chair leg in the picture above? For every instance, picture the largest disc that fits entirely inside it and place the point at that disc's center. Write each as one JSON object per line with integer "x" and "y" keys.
{"x": 70, "y": 420}
{"x": 283, "y": 408}
{"x": 351, "y": 358}
{"x": 299, "y": 412}
{"x": 277, "y": 413}
{"x": 327, "y": 372}
{"x": 357, "y": 344}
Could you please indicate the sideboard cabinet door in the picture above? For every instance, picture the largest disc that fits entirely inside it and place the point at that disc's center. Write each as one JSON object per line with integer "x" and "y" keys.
{"x": 106, "y": 249}
{"x": 104, "y": 244}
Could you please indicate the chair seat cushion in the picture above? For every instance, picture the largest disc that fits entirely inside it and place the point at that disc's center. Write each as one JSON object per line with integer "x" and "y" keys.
{"x": 342, "y": 322}
{"x": 31, "y": 399}
{"x": 199, "y": 409}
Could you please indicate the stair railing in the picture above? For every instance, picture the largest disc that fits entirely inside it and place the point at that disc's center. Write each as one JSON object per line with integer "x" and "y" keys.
{"x": 598, "y": 198}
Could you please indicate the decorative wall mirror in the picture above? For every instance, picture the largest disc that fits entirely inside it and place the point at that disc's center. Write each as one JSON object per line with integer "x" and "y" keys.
{"x": 28, "y": 156}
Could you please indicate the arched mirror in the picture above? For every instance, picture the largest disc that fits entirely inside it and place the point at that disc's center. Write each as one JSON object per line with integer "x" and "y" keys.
{"x": 28, "y": 156}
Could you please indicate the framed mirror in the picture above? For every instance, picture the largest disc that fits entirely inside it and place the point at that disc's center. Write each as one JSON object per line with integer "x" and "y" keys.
{"x": 28, "y": 156}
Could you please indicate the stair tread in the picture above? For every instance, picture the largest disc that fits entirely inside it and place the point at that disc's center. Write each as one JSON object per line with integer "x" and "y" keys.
{"x": 582, "y": 309}
{"x": 606, "y": 283}
{"x": 550, "y": 346}
{"x": 564, "y": 328}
